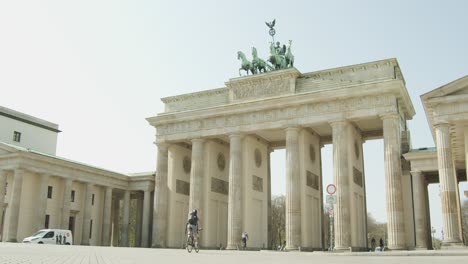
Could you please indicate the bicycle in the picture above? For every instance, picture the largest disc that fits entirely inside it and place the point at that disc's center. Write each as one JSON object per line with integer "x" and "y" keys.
{"x": 190, "y": 242}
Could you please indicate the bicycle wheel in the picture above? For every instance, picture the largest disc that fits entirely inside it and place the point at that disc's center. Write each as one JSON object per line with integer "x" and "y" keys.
{"x": 196, "y": 247}
{"x": 189, "y": 244}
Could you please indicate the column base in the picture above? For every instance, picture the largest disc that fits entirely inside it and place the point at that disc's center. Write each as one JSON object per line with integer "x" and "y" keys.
{"x": 342, "y": 249}
{"x": 292, "y": 248}
{"x": 452, "y": 245}
{"x": 396, "y": 247}
{"x": 421, "y": 248}
{"x": 232, "y": 247}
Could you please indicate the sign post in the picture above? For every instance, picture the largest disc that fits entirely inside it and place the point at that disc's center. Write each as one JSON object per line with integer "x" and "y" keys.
{"x": 331, "y": 200}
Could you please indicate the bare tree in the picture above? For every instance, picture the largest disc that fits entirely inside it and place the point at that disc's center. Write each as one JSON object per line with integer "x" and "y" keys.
{"x": 278, "y": 220}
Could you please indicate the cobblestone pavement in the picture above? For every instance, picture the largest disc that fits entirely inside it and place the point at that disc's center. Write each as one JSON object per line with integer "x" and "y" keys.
{"x": 32, "y": 253}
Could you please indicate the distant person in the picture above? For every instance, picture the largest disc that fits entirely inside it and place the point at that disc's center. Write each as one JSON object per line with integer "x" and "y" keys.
{"x": 284, "y": 246}
{"x": 56, "y": 239}
{"x": 245, "y": 237}
{"x": 381, "y": 243}
{"x": 60, "y": 239}
{"x": 372, "y": 243}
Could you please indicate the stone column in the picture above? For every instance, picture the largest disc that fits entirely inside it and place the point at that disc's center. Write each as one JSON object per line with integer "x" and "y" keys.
{"x": 66, "y": 203}
{"x": 125, "y": 219}
{"x": 14, "y": 205}
{"x": 269, "y": 198}
{"x": 196, "y": 175}
{"x": 235, "y": 192}
{"x": 3, "y": 175}
{"x": 138, "y": 222}
{"x": 160, "y": 199}
{"x": 293, "y": 190}
{"x": 116, "y": 221}
{"x": 341, "y": 178}
{"x": 448, "y": 184}
{"x": 392, "y": 155}
{"x": 87, "y": 215}
{"x": 106, "y": 221}
{"x": 146, "y": 219}
{"x": 42, "y": 201}
{"x": 420, "y": 213}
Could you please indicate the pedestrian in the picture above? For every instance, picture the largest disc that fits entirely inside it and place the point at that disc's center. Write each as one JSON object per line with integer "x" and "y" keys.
{"x": 381, "y": 243}
{"x": 245, "y": 237}
{"x": 372, "y": 244}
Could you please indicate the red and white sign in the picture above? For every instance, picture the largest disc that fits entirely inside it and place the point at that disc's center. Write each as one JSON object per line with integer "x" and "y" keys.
{"x": 331, "y": 188}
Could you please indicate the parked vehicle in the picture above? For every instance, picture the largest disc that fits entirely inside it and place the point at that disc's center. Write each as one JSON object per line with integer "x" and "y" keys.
{"x": 51, "y": 236}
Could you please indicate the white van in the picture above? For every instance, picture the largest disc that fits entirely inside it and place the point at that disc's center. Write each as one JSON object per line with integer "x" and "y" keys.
{"x": 51, "y": 236}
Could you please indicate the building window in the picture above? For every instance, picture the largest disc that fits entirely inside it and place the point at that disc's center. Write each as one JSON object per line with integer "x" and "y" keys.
{"x": 46, "y": 224}
{"x": 49, "y": 192}
{"x": 16, "y": 136}
{"x": 92, "y": 199}
{"x": 90, "y": 229}
{"x": 72, "y": 198}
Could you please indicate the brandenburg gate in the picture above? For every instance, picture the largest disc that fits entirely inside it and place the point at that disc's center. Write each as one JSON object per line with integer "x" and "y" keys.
{"x": 214, "y": 148}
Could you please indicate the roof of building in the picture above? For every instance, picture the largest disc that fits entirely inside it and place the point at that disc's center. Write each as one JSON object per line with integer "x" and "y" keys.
{"x": 58, "y": 158}
{"x": 10, "y": 113}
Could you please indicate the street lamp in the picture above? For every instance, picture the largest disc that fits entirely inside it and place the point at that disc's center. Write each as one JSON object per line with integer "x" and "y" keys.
{"x": 433, "y": 230}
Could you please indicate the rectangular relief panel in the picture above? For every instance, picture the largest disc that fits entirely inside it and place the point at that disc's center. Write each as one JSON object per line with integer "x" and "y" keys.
{"x": 182, "y": 187}
{"x": 257, "y": 183}
{"x": 312, "y": 180}
{"x": 357, "y": 176}
{"x": 219, "y": 186}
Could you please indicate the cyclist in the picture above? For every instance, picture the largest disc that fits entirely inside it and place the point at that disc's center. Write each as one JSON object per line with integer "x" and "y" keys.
{"x": 192, "y": 226}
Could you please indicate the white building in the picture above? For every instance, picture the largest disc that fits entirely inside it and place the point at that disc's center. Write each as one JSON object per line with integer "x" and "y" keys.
{"x": 41, "y": 190}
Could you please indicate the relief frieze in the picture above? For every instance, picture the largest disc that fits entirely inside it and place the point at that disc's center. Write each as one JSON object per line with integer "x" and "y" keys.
{"x": 273, "y": 115}
{"x": 219, "y": 186}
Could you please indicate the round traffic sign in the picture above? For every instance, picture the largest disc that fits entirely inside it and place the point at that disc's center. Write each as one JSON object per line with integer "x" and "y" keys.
{"x": 331, "y": 188}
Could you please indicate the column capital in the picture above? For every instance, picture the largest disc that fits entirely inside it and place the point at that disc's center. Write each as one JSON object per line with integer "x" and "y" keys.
{"x": 416, "y": 173}
{"x": 236, "y": 135}
{"x": 390, "y": 115}
{"x": 163, "y": 145}
{"x": 338, "y": 122}
{"x": 292, "y": 129}
{"x": 19, "y": 170}
{"x": 442, "y": 125}
{"x": 199, "y": 140}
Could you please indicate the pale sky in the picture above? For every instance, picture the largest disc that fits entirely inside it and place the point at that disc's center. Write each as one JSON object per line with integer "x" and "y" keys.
{"x": 99, "y": 68}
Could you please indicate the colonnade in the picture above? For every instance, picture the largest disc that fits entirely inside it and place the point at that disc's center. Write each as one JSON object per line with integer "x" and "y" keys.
{"x": 93, "y": 224}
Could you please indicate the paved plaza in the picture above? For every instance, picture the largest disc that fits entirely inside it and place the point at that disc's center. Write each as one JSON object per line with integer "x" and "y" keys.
{"x": 28, "y": 253}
